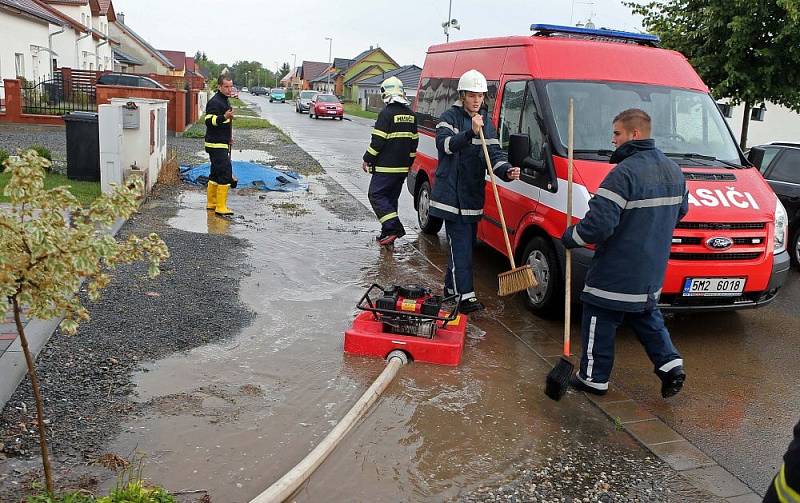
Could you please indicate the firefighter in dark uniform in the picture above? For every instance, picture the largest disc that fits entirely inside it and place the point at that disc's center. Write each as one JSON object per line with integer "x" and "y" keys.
{"x": 785, "y": 487}
{"x": 218, "y": 119}
{"x": 388, "y": 157}
{"x": 630, "y": 221}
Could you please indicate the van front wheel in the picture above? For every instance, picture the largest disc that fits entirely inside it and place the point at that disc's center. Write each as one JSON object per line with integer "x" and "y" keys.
{"x": 547, "y": 298}
{"x": 427, "y": 223}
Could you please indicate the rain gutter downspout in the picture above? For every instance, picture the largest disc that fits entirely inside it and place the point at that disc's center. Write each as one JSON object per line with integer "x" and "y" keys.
{"x": 77, "y": 51}
{"x": 50, "y": 47}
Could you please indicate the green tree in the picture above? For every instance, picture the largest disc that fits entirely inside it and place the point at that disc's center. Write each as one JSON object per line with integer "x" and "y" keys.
{"x": 285, "y": 70}
{"x": 49, "y": 243}
{"x": 746, "y": 51}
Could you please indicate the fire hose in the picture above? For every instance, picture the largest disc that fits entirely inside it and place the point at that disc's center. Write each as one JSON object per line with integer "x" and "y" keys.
{"x": 289, "y": 483}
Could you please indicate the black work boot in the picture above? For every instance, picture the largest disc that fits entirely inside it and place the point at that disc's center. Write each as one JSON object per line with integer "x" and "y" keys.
{"x": 579, "y": 385}
{"x": 671, "y": 381}
{"x": 470, "y": 305}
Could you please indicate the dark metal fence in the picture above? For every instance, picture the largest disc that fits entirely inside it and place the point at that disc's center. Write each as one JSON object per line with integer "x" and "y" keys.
{"x": 57, "y": 96}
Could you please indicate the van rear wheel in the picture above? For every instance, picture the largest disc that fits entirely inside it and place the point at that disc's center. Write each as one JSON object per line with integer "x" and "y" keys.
{"x": 547, "y": 298}
{"x": 427, "y": 223}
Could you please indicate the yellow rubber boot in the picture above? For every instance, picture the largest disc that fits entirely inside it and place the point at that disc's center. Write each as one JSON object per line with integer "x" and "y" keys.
{"x": 222, "y": 200}
{"x": 211, "y": 192}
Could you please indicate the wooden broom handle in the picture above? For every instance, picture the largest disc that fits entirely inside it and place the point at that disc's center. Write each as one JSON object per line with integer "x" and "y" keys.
{"x": 568, "y": 265}
{"x": 497, "y": 199}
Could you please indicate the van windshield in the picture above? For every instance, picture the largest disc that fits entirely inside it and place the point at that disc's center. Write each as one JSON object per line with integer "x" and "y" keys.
{"x": 684, "y": 122}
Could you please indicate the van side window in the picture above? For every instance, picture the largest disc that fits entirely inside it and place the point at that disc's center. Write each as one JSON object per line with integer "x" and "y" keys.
{"x": 435, "y": 96}
{"x": 518, "y": 114}
{"x": 530, "y": 123}
{"x": 511, "y": 111}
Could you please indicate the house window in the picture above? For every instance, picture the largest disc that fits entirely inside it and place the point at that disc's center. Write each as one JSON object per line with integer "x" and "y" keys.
{"x": 725, "y": 109}
{"x": 19, "y": 58}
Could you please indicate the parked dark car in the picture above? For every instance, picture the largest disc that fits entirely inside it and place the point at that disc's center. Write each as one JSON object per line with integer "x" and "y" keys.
{"x": 779, "y": 162}
{"x": 126, "y": 79}
{"x": 304, "y": 101}
{"x": 259, "y": 91}
{"x": 326, "y": 105}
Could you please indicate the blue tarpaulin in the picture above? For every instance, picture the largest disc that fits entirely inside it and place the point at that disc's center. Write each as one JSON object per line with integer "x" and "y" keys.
{"x": 251, "y": 175}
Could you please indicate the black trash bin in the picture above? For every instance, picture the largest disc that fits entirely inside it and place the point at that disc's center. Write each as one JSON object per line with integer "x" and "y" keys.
{"x": 83, "y": 146}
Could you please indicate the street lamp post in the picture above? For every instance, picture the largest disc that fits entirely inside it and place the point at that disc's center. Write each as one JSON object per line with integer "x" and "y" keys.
{"x": 330, "y": 51}
{"x": 294, "y": 69}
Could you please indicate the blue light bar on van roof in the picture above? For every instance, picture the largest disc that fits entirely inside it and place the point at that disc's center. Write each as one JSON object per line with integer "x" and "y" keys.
{"x": 554, "y": 29}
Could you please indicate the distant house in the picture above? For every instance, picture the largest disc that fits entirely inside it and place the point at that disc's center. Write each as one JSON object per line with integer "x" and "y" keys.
{"x": 292, "y": 79}
{"x": 371, "y": 87}
{"x": 371, "y": 62}
{"x": 178, "y": 60}
{"x": 309, "y": 71}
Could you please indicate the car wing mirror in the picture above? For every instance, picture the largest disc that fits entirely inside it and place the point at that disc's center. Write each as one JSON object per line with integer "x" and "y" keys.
{"x": 540, "y": 173}
{"x": 756, "y": 156}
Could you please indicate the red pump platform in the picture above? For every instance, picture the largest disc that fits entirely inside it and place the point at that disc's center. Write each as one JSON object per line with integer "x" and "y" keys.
{"x": 398, "y": 321}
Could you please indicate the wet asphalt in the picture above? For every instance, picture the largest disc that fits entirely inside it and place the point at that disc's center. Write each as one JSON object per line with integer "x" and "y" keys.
{"x": 741, "y": 400}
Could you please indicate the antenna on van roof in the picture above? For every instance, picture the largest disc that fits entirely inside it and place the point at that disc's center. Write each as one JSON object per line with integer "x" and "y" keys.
{"x": 602, "y": 34}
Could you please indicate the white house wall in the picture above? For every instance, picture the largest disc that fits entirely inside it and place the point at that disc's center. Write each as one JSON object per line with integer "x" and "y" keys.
{"x": 85, "y": 49}
{"x": 104, "y": 52}
{"x": 17, "y": 37}
{"x": 130, "y": 46}
{"x": 779, "y": 123}
{"x": 64, "y": 47}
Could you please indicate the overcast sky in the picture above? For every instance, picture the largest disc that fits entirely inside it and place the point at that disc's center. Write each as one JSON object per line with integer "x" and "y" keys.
{"x": 270, "y": 31}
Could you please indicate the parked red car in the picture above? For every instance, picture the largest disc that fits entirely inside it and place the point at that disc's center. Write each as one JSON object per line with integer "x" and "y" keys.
{"x": 326, "y": 105}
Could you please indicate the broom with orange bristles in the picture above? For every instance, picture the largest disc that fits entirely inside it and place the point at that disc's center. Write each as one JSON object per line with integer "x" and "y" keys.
{"x": 518, "y": 278}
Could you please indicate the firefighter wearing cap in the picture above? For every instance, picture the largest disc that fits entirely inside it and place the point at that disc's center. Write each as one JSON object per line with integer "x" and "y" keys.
{"x": 218, "y": 119}
{"x": 785, "y": 487}
{"x": 459, "y": 190}
{"x": 390, "y": 153}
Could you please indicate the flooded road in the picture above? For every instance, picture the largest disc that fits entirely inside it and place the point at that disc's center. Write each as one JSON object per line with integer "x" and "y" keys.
{"x": 231, "y": 418}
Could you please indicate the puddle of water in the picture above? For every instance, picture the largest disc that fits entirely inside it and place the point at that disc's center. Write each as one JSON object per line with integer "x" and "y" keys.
{"x": 233, "y": 417}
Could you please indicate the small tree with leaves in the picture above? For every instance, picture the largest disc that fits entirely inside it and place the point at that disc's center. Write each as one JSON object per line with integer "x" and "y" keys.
{"x": 49, "y": 243}
{"x": 746, "y": 51}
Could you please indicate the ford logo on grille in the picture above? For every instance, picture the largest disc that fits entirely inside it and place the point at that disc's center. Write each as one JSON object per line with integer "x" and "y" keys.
{"x": 719, "y": 243}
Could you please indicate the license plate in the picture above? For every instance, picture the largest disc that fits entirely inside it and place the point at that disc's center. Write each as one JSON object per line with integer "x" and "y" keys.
{"x": 713, "y": 287}
{"x": 332, "y": 112}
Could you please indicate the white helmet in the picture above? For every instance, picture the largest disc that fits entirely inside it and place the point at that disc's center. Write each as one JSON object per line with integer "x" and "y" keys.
{"x": 392, "y": 87}
{"x": 472, "y": 81}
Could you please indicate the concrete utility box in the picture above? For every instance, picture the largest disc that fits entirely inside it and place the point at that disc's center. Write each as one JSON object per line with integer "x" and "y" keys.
{"x": 132, "y": 151}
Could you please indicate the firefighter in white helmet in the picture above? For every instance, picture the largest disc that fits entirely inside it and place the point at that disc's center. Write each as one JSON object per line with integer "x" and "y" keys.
{"x": 459, "y": 191}
{"x": 388, "y": 157}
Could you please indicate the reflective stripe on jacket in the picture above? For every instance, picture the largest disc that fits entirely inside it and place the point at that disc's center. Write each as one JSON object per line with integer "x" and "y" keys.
{"x": 218, "y": 128}
{"x": 394, "y": 140}
{"x": 631, "y": 219}
{"x": 459, "y": 185}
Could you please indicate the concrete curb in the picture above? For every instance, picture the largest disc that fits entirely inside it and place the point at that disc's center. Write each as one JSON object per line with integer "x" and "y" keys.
{"x": 13, "y": 367}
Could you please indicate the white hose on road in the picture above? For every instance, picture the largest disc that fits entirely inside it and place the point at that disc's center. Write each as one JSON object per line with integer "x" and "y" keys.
{"x": 288, "y": 484}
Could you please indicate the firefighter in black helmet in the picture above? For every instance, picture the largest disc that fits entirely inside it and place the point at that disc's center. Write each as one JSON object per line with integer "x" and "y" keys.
{"x": 219, "y": 119}
{"x": 388, "y": 157}
{"x": 785, "y": 487}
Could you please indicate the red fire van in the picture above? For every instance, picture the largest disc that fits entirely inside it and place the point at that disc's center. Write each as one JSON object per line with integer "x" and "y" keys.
{"x": 729, "y": 252}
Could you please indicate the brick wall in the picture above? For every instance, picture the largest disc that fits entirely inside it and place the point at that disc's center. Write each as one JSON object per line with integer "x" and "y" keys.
{"x": 176, "y": 108}
{"x": 13, "y": 108}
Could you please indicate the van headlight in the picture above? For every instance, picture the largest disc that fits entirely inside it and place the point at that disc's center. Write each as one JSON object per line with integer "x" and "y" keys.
{"x": 781, "y": 227}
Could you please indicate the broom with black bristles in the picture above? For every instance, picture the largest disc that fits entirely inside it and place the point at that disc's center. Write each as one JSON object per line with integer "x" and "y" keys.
{"x": 558, "y": 378}
{"x": 518, "y": 278}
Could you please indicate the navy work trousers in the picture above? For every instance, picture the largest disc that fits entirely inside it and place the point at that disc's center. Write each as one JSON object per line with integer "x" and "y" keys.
{"x": 384, "y": 192}
{"x": 598, "y": 330}
{"x": 461, "y": 238}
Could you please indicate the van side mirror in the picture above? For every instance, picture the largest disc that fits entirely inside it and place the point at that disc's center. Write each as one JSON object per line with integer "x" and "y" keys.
{"x": 756, "y": 156}
{"x": 519, "y": 154}
{"x": 542, "y": 173}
